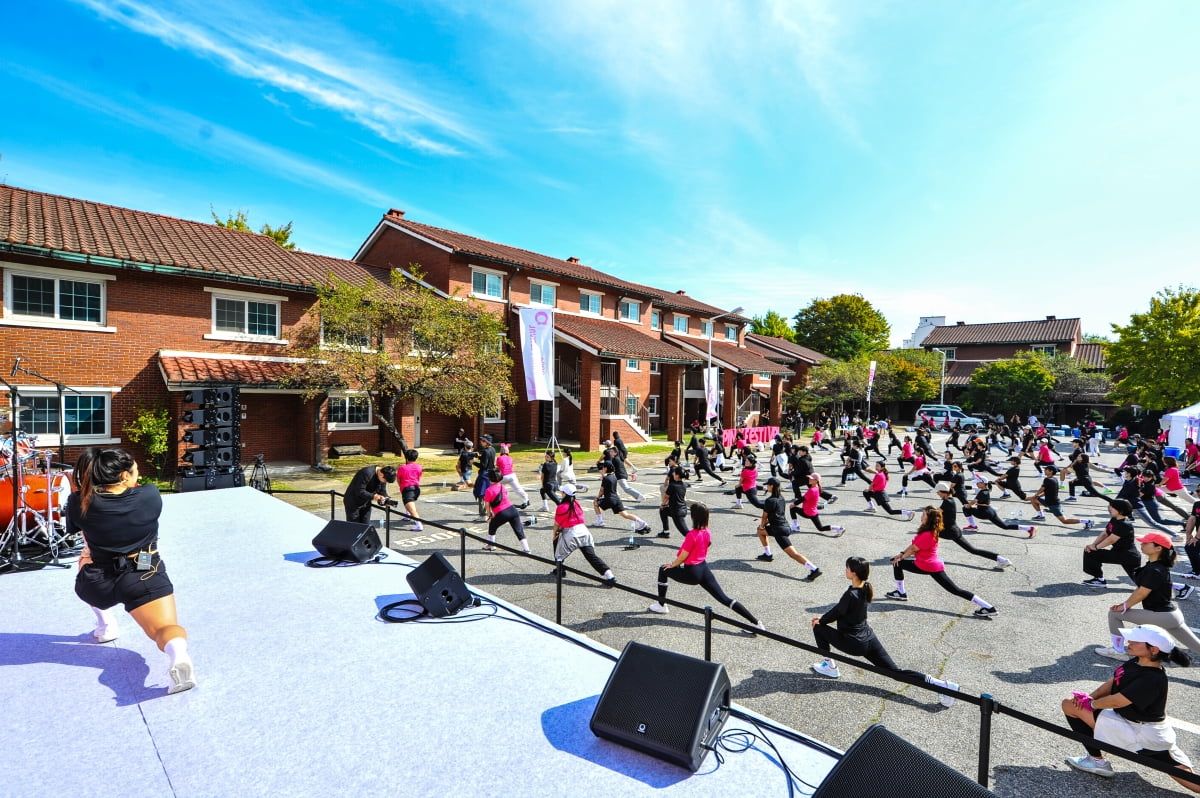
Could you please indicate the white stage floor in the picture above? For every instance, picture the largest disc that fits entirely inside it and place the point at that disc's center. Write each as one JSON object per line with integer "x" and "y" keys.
{"x": 302, "y": 692}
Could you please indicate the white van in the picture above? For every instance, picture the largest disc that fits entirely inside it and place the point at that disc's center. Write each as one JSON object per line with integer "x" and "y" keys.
{"x": 938, "y": 415}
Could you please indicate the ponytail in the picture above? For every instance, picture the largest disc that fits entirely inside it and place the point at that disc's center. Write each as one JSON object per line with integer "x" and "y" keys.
{"x": 98, "y": 468}
{"x": 1176, "y": 656}
{"x": 862, "y": 569}
{"x": 1168, "y": 556}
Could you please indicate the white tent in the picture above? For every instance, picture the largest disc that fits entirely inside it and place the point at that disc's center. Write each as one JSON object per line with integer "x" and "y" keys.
{"x": 1183, "y": 424}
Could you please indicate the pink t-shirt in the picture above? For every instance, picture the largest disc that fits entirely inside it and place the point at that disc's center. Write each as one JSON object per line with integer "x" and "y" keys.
{"x": 879, "y": 482}
{"x": 1171, "y": 479}
{"x": 919, "y": 463}
{"x": 817, "y": 436}
{"x": 569, "y": 514}
{"x": 927, "y": 558}
{"x": 811, "y": 497}
{"x": 906, "y": 450}
{"x": 504, "y": 463}
{"x": 408, "y": 475}
{"x": 749, "y": 478}
{"x": 1044, "y": 454}
{"x": 1193, "y": 451}
{"x": 696, "y": 544}
{"x": 499, "y": 494}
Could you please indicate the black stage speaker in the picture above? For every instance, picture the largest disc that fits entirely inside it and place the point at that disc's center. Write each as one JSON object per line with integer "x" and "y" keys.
{"x": 664, "y": 704}
{"x": 438, "y": 587}
{"x": 880, "y": 763}
{"x": 347, "y": 541}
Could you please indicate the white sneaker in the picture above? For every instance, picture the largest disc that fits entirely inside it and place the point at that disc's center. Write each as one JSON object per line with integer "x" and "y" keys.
{"x": 1002, "y": 563}
{"x": 837, "y": 531}
{"x": 1112, "y": 653}
{"x": 827, "y": 668}
{"x": 105, "y": 634}
{"x": 908, "y": 515}
{"x": 1085, "y": 763}
{"x": 661, "y": 609}
{"x": 182, "y": 677}
{"x": 948, "y": 700}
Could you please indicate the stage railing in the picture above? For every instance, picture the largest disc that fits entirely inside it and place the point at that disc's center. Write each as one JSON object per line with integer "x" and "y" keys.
{"x": 988, "y": 705}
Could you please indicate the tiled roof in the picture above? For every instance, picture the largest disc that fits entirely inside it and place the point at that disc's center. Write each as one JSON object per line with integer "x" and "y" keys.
{"x": 79, "y": 230}
{"x": 184, "y": 369}
{"x": 958, "y": 372}
{"x": 1091, "y": 356}
{"x": 1044, "y": 331}
{"x": 612, "y": 337}
{"x": 737, "y": 357}
{"x": 784, "y": 346}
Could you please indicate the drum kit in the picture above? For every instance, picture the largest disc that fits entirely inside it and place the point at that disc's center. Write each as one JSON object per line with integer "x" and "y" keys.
{"x": 33, "y": 499}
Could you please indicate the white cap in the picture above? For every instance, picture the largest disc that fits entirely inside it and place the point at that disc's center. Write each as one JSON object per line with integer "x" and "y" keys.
{"x": 943, "y": 487}
{"x": 567, "y": 490}
{"x": 1151, "y": 635}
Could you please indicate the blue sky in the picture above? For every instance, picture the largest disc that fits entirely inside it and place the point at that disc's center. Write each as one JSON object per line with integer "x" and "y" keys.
{"x": 986, "y": 161}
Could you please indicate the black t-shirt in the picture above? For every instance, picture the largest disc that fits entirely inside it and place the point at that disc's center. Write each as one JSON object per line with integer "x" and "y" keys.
{"x": 1156, "y": 577}
{"x": 608, "y": 486}
{"x": 983, "y": 497}
{"x": 549, "y": 473}
{"x": 365, "y": 485}
{"x": 1124, "y": 532}
{"x": 776, "y": 509}
{"x": 119, "y": 523}
{"x": 1050, "y": 490}
{"x": 1080, "y": 464}
{"x": 486, "y": 458}
{"x": 850, "y": 614}
{"x": 1196, "y": 511}
{"x": 464, "y": 460}
{"x": 1145, "y": 687}
{"x": 1148, "y": 491}
{"x": 1012, "y": 477}
{"x": 676, "y": 491}
{"x": 949, "y": 514}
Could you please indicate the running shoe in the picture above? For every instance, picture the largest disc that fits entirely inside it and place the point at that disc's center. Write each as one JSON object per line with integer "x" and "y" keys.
{"x": 985, "y": 612}
{"x": 970, "y": 527}
{"x": 869, "y": 510}
{"x": 182, "y": 677}
{"x": 909, "y": 515}
{"x": 1087, "y": 523}
{"x": 1032, "y": 531}
{"x": 1039, "y": 517}
{"x": 1112, "y": 653}
{"x": 661, "y": 609}
{"x": 765, "y": 558}
{"x": 948, "y": 700}
{"x": 609, "y": 582}
{"x": 837, "y": 531}
{"x": 664, "y": 534}
{"x": 1184, "y": 592}
{"x": 1002, "y": 563}
{"x": 832, "y": 500}
{"x": 896, "y": 595}
{"x": 488, "y": 547}
{"x": 1085, "y": 763}
{"x": 812, "y": 576}
{"x": 827, "y": 668}
{"x": 1096, "y": 582}
{"x": 644, "y": 529}
{"x": 1070, "y": 498}
{"x": 105, "y": 634}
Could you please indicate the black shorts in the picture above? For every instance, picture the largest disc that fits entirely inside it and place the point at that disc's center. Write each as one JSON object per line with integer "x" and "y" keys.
{"x": 782, "y": 537}
{"x": 611, "y": 503}
{"x": 410, "y": 494}
{"x": 104, "y": 586}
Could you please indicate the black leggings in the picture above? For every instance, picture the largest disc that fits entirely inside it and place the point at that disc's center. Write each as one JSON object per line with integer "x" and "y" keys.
{"x": 880, "y": 498}
{"x": 796, "y": 512}
{"x": 870, "y": 649}
{"x": 927, "y": 478}
{"x": 679, "y": 520}
{"x": 955, "y": 534}
{"x": 751, "y": 496}
{"x": 857, "y": 471}
{"x": 1086, "y": 483}
{"x": 988, "y": 513}
{"x": 944, "y": 582}
{"x": 706, "y": 467}
{"x": 589, "y": 554}
{"x": 1080, "y": 726}
{"x": 549, "y": 492}
{"x": 509, "y": 515}
{"x": 700, "y": 574}
{"x": 1093, "y": 561}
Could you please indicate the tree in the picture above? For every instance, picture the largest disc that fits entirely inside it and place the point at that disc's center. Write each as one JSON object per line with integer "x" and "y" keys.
{"x": 1153, "y": 359}
{"x": 281, "y": 235}
{"x": 844, "y": 327}
{"x": 772, "y": 325}
{"x": 907, "y": 374}
{"x": 149, "y": 428}
{"x": 1020, "y": 384}
{"x": 1072, "y": 383}
{"x": 830, "y": 383}
{"x": 403, "y": 342}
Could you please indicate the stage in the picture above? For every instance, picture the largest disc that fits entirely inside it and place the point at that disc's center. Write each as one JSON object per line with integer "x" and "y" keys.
{"x": 303, "y": 692}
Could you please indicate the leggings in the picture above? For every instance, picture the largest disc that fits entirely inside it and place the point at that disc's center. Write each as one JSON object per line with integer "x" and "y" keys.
{"x": 869, "y": 649}
{"x": 857, "y": 471}
{"x": 751, "y": 496}
{"x": 984, "y": 465}
{"x": 1173, "y": 621}
{"x": 903, "y": 460}
{"x": 1152, "y": 510}
{"x": 549, "y": 492}
{"x": 880, "y": 498}
{"x": 1193, "y": 554}
{"x": 989, "y": 513}
{"x": 1089, "y": 489}
{"x": 927, "y": 478}
{"x": 944, "y": 582}
{"x": 511, "y": 516}
{"x": 1093, "y": 561}
{"x": 700, "y": 574}
{"x": 706, "y": 467}
{"x": 1015, "y": 489}
{"x": 955, "y": 534}
{"x": 680, "y": 520}
{"x": 797, "y": 512}
{"x": 798, "y": 489}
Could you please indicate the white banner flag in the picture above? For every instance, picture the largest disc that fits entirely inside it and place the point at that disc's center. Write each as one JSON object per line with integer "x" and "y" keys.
{"x": 537, "y": 353}
{"x": 870, "y": 381}
{"x": 711, "y": 388}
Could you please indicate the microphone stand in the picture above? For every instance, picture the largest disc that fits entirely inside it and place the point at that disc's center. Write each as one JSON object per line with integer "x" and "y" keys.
{"x": 62, "y": 428}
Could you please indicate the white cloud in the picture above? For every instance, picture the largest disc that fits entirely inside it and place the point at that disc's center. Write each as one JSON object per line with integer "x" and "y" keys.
{"x": 371, "y": 93}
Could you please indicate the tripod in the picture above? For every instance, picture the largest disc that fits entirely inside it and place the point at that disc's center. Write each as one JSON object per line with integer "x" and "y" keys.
{"x": 259, "y": 478}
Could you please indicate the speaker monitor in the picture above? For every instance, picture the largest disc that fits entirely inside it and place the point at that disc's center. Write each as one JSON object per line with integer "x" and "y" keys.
{"x": 909, "y": 772}
{"x": 438, "y": 587}
{"x": 348, "y": 541}
{"x": 664, "y": 704}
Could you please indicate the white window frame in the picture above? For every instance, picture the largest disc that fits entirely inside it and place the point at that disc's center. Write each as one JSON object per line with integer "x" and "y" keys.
{"x": 636, "y": 305}
{"x": 488, "y": 273}
{"x": 675, "y": 319}
{"x": 652, "y": 405}
{"x": 656, "y": 320}
{"x": 951, "y": 352}
{"x": 494, "y": 416}
{"x": 633, "y": 364}
{"x": 599, "y": 303}
{"x": 655, "y": 367}
{"x": 1044, "y": 349}
{"x": 706, "y": 328}
{"x": 543, "y": 284}
{"x": 346, "y": 396}
{"x": 51, "y": 439}
{"x": 731, "y": 332}
{"x": 245, "y": 296}
{"x": 11, "y": 318}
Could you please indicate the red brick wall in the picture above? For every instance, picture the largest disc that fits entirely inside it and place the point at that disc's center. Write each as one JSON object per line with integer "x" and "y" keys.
{"x": 396, "y": 250}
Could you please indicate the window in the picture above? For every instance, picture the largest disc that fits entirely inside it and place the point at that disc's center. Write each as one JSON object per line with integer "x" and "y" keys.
{"x": 240, "y": 316}
{"x": 39, "y": 296}
{"x": 487, "y": 284}
{"x": 679, "y": 323}
{"x": 349, "y": 411}
{"x": 342, "y": 337}
{"x": 632, "y": 364}
{"x": 1044, "y": 349}
{"x": 706, "y": 329}
{"x": 85, "y": 416}
{"x": 730, "y": 332}
{"x": 655, "y": 320}
{"x": 950, "y": 351}
{"x": 652, "y": 406}
{"x": 589, "y": 303}
{"x": 494, "y": 416}
{"x": 541, "y": 294}
{"x": 655, "y": 367}
{"x": 630, "y": 310}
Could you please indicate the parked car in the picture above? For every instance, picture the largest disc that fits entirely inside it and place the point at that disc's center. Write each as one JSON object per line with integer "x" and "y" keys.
{"x": 938, "y": 415}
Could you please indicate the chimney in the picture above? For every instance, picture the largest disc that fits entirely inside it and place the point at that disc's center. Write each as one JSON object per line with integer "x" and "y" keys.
{"x": 681, "y": 292}
{"x": 572, "y": 259}
{"x": 396, "y": 212}
{"x": 961, "y": 323}
{"x": 1049, "y": 318}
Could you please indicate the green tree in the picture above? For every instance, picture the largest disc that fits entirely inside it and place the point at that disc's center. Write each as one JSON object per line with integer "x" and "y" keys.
{"x": 773, "y": 325}
{"x": 1019, "y": 385}
{"x": 1073, "y": 384}
{"x": 402, "y": 342}
{"x": 907, "y": 374}
{"x": 1153, "y": 359}
{"x": 845, "y": 327}
{"x": 281, "y": 235}
{"x": 149, "y": 429}
{"x": 830, "y": 383}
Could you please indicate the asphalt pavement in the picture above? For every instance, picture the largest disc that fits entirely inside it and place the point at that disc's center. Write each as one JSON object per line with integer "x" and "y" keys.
{"x": 1031, "y": 655}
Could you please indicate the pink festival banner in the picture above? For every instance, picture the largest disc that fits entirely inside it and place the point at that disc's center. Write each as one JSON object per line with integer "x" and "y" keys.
{"x": 537, "y": 353}
{"x": 752, "y": 435}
